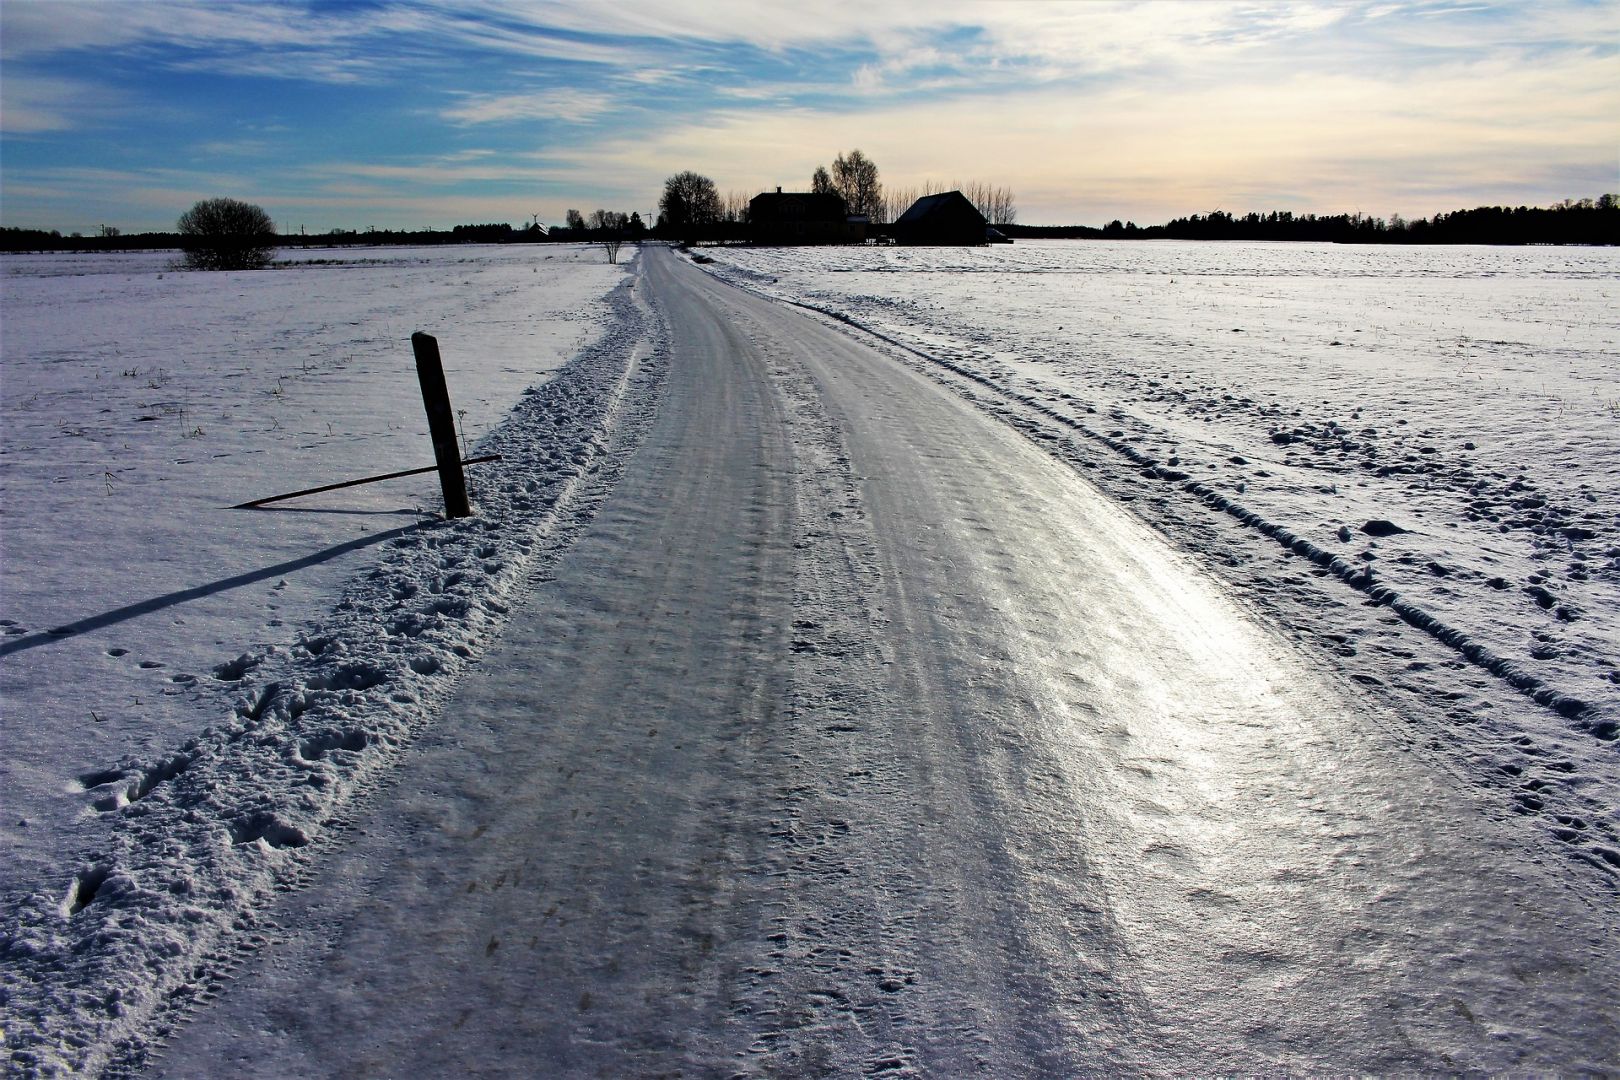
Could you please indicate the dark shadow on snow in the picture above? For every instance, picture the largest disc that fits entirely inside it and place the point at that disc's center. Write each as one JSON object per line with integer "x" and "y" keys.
{"x": 158, "y": 603}
{"x": 336, "y": 510}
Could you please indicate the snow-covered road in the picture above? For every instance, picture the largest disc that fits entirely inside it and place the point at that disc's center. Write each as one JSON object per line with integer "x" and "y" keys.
{"x": 859, "y": 736}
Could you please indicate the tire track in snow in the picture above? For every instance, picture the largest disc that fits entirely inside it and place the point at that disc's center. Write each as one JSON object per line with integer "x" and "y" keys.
{"x": 1033, "y": 843}
{"x": 1360, "y": 578}
{"x": 1582, "y": 827}
{"x": 197, "y": 839}
{"x": 864, "y": 973}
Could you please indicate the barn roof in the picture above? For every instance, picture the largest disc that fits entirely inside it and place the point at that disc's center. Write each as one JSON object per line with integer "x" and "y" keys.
{"x": 929, "y": 205}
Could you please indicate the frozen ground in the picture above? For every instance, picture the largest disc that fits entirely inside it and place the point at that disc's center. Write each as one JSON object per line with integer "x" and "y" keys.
{"x": 1314, "y": 396}
{"x": 809, "y": 747}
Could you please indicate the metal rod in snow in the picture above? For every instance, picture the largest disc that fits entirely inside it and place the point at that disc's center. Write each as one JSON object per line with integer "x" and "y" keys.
{"x": 355, "y": 483}
{"x": 441, "y": 424}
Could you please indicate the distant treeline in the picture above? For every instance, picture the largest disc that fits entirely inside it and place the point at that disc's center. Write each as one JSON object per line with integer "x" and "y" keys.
{"x": 14, "y": 239}
{"x": 1583, "y": 221}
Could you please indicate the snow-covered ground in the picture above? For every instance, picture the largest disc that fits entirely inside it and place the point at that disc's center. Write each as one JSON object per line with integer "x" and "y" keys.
{"x": 1406, "y": 457}
{"x": 856, "y": 735}
{"x": 1435, "y": 432}
{"x": 217, "y": 668}
{"x": 139, "y": 403}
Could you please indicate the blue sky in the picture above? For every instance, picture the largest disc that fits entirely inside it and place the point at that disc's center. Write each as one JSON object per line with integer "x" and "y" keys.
{"x": 433, "y": 114}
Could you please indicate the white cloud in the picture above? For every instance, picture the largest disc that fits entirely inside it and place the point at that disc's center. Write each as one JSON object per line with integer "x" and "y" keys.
{"x": 1130, "y": 109}
{"x": 335, "y": 44}
{"x": 34, "y": 28}
{"x": 285, "y": 40}
{"x": 34, "y": 104}
{"x": 569, "y": 105}
{"x": 39, "y": 105}
{"x": 232, "y": 148}
{"x": 1340, "y": 139}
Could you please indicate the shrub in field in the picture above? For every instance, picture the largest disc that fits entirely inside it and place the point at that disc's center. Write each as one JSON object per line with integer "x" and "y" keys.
{"x": 226, "y": 234}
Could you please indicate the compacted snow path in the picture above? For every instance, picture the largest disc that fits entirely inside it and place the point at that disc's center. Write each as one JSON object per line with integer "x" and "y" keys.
{"x": 858, "y": 736}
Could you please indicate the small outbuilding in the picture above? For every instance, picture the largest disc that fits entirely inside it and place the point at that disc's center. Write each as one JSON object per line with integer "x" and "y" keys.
{"x": 802, "y": 217}
{"x": 947, "y": 219}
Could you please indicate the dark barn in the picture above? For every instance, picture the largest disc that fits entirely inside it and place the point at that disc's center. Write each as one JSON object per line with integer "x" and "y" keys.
{"x": 946, "y": 219}
{"x": 801, "y": 217}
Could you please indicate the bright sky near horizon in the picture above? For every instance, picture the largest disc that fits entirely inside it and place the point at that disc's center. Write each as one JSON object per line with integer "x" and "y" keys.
{"x": 336, "y": 113}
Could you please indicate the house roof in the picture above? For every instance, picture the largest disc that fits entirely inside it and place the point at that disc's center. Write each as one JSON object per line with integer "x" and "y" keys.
{"x": 808, "y": 205}
{"x": 929, "y": 205}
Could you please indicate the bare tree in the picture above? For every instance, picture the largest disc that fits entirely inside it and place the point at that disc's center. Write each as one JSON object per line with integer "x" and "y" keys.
{"x": 607, "y": 228}
{"x": 856, "y": 178}
{"x": 897, "y": 201}
{"x": 226, "y": 234}
{"x": 821, "y": 182}
{"x": 735, "y": 207}
{"x": 576, "y": 220}
{"x": 1003, "y": 208}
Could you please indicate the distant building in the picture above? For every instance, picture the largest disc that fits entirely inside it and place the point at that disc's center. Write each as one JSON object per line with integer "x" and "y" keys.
{"x": 802, "y": 217}
{"x": 946, "y": 219}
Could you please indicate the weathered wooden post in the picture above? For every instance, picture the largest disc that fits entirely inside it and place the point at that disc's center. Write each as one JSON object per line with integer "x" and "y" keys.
{"x": 441, "y": 424}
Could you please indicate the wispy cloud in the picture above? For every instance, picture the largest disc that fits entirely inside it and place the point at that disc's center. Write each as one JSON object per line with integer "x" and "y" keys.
{"x": 232, "y": 148}
{"x": 1120, "y": 151}
{"x": 1098, "y": 109}
{"x": 440, "y": 173}
{"x": 34, "y": 104}
{"x": 36, "y": 28}
{"x": 564, "y": 104}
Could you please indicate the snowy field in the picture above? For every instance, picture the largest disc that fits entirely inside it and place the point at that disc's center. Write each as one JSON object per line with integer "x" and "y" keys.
{"x": 139, "y": 403}
{"x": 1432, "y": 433}
{"x": 157, "y": 643}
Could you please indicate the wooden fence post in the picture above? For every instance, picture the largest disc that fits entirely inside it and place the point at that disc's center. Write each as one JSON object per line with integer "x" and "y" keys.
{"x": 441, "y": 424}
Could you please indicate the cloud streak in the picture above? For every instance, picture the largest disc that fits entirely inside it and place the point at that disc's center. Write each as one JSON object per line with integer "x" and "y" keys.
{"x": 561, "y": 104}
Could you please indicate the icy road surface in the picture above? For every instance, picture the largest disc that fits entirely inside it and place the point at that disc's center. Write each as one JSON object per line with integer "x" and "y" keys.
{"x": 857, "y": 735}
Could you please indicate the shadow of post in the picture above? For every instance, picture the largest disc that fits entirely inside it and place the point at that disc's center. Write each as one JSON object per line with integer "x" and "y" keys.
{"x": 158, "y": 603}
